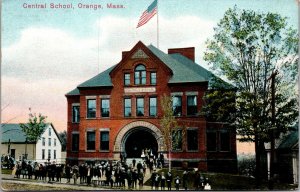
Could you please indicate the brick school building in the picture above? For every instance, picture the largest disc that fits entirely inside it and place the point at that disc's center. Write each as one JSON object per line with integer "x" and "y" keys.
{"x": 118, "y": 112}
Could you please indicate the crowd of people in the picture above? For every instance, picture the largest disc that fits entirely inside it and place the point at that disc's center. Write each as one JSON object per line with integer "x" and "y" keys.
{"x": 110, "y": 173}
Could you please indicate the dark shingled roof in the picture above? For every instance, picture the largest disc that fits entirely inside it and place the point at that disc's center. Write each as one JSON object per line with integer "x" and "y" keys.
{"x": 74, "y": 92}
{"x": 100, "y": 80}
{"x": 12, "y": 132}
{"x": 290, "y": 140}
{"x": 184, "y": 71}
{"x": 16, "y": 135}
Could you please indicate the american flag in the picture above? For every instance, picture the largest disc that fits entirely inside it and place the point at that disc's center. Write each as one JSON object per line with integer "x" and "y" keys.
{"x": 148, "y": 14}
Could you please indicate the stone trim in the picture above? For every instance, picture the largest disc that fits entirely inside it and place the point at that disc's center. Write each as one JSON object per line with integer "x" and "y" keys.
{"x": 177, "y": 94}
{"x": 104, "y": 96}
{"x": 91, "y": 97}
{"x": 191, "y": 93}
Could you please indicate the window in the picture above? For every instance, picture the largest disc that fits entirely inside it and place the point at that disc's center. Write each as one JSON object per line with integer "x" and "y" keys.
{"x": 43, "y": 141}
{"x": 75, "y": 142}
{"x": 140, "y": 107}
{"x": 140, "y": 75}
{"x": 90, "y": 141}
{"x": 49, "y": 141}
{"x": 104, "y": 140}
{"x": 177, "y": 140}
{"x": 91, "y": 108}
{"x": 127, "y": 107}
{"x": 75, "y": 114}
{"x": 192, "y": 139}
{"x": 54, "y": 142}
{"x": 211, "y": 141}
{"x": 224, "y": 141}
{"x": 43, "y": 153}
{"x": 49, "y": 153}
{"x": 191, "y": 105}
{"x": 152, "y": 106}
{"x": 49, "y": 130}
{"x": 177, "y": 105}
{"x": 105, "y": 108}
{"x": 126, "y": 79}
{"x": 54, "y": 154}
{"x": 153, "y": 78}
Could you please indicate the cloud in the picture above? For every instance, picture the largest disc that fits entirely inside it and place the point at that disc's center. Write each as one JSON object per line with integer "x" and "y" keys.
{"x": 45, "y": 63}
{"x": 47, "y": 53}
{"x": 119, "y": 34}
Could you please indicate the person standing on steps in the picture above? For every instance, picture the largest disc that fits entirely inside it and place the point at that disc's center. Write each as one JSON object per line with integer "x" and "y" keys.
{"x": 162, "y": 181}
{"x": 177, "y": 182}
{"x": 184, "y": 180}
{"x": 169, "y": 179}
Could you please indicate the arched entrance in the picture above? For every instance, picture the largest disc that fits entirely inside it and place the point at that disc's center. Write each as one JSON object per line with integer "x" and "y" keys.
{"x": 137, "y": 140}
{"x": 138, "y": 130}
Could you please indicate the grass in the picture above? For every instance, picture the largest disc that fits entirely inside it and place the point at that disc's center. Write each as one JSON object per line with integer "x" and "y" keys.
{"x": 223, "y": 181}
{"x": 6, "y": 171}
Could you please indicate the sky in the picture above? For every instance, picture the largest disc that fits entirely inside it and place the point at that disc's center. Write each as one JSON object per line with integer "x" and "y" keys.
{"x": 48, "y": 52}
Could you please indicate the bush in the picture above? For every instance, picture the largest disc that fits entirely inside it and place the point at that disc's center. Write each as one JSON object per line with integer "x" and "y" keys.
{"x": 246, "y": 165}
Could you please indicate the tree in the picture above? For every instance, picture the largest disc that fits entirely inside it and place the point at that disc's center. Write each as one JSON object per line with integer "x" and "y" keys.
{"x": 247, "y": 48}
{"x": 168, "y": 124}
{"x": 219, "y": 102}
{"x": 35, "y": 127}
{"x": 63, "y": 138}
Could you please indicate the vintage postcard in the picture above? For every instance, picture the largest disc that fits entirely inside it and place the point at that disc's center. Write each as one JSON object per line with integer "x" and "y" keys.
{"x": 149, "y": 95}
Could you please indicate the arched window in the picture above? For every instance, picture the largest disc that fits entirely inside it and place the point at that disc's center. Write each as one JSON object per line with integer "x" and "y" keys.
{"x": 140, "y": 75}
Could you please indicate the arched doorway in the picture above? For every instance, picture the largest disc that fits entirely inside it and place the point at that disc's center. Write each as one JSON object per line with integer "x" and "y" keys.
{"x": 127, "y": 130}
{"x": 139, "y": 139}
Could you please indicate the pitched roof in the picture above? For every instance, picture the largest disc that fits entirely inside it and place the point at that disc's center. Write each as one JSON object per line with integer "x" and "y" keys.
{"x": 290, "y": 140}
{"x": 12, "y": 132}
{"x": 101, "y": 80}
{"x": 74, "y": 92}
{"x": 16, "y": 135}
{"x": 184, "y": 71}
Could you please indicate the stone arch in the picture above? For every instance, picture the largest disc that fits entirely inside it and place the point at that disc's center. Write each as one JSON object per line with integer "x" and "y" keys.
{"x": 125, "y": 131}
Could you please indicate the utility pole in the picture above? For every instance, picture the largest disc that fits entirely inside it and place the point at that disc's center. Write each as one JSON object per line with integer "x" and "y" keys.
{"x": 272, "y": 155}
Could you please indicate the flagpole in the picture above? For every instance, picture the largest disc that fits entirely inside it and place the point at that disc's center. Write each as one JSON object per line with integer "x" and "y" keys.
{"x": 157, "y": 24}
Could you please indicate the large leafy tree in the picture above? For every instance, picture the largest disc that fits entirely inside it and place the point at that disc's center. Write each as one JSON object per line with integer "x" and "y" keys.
{"x": 246, "y": 49}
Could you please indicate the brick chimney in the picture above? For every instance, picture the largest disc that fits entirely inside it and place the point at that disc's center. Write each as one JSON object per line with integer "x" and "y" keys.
{"x": 188, "y": 52}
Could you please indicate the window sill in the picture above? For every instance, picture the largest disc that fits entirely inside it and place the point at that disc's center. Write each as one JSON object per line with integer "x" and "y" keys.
{"x": 177, "y": 151}
{"x": 192, "y": 115}
{"x": 76, "y": 122}
{"x": 192, "y": 151}
{"x": 89, "y": 151}
{"x": 104, "y": 151}
{"x": 90, "y": 118}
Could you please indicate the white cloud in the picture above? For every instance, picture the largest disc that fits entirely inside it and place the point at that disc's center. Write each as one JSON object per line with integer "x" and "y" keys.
{"x": 47, "y": 53}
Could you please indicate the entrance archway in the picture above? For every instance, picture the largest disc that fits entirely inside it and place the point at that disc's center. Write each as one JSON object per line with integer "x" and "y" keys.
{"x": 124, "y": 133}
{"x": 139, "y": 139}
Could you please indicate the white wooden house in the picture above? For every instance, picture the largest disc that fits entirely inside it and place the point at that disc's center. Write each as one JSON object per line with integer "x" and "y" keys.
{"x": 15, "y": 144}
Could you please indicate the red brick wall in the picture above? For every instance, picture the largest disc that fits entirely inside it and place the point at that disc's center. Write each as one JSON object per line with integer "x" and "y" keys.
{"x": 117, "y": 121}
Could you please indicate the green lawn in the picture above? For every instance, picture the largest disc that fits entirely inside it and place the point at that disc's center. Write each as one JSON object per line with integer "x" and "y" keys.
{"x": 222, "y": 181}
{"x": 6, "y": 171}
